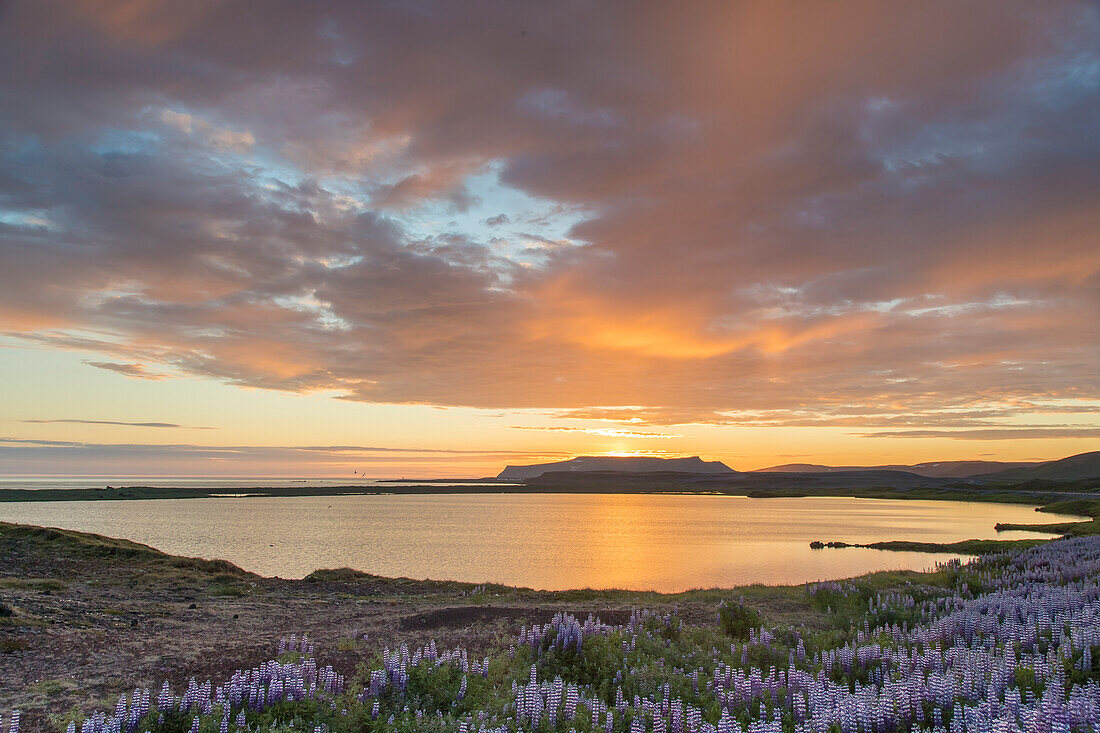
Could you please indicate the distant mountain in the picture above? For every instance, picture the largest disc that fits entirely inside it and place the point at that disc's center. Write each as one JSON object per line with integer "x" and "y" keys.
{"x": 963, "y": 469}
{"x": 796, "y": 483}
{"x": 625, "y": 464}
{"x": 938, "y": 469}
{"x": 801, "y": 468}
{"x": 1075, "y": 468}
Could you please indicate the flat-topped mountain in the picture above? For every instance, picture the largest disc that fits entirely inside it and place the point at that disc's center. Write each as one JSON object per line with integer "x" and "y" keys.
{"x": 936, "y": 469}
{"x": 626, "y": 464}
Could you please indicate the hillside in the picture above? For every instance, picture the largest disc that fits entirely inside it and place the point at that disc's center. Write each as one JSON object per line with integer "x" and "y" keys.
{"x": 1075, "y": 468}
{"x": 800, "y": 468}
{"x": 937, "y": 469}
{"x": 626, "y": 464}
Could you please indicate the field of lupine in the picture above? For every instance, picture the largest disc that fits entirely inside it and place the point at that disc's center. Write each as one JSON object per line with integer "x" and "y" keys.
{"x": 1006, "y": 642}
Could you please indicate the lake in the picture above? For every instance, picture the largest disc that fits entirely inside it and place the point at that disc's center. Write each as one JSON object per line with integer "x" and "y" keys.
{"x": 546, "y": 541}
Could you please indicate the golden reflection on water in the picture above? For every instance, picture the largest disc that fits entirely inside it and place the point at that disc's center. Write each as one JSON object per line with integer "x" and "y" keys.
{"x": 549, "y": 541}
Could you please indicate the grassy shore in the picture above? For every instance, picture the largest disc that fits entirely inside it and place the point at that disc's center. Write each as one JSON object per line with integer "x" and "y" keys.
{"x": 93, "y": 616}
{"x": 85, "y": 618}
{"x": 78, "y": 609}
{"x": 1089, "y": 509}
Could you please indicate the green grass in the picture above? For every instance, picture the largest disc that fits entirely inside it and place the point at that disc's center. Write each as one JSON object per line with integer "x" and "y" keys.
{"x": 337, "y": 575}
{"x": 49, "y": 584}
{"x": 966, "y": 547}
{"x": 1072, "y": 529}
{"x": 1081, "y": 507}
{"x": 228, "y": 590}
{"x": 737, "y": 620}
{"x": 70, "y": 545}
{"x": 50, "y": 687}
{"x": 347, "y": 644}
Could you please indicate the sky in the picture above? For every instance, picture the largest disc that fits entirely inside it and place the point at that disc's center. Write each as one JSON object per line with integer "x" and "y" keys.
{"x": 433, "y": 238}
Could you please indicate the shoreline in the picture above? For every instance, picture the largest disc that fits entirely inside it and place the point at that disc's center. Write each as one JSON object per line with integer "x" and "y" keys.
{"x": 1084, "y": 504}
{"x": 1087, "y": 509}
{"x": 1011, "y": 494}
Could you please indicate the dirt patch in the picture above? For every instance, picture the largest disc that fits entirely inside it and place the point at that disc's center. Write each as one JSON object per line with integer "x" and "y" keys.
{"x": 470, "y": 615}
{"x": 466, "y": 616}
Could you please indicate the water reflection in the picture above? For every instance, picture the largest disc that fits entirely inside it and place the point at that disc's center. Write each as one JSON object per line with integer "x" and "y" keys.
{"x": 549, "y": 541}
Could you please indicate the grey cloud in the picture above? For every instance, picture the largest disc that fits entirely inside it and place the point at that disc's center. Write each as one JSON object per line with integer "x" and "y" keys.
{"x": 117, "y": 422}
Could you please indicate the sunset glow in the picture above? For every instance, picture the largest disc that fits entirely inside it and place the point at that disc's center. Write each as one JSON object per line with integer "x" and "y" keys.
{"x": 432, "y": 239}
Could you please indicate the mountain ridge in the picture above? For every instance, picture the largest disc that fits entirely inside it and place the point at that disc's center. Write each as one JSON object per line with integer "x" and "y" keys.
{"x": 1082, "y": 466}
{"x": 931, "y": 469}
{"x": 1071, "y": 468}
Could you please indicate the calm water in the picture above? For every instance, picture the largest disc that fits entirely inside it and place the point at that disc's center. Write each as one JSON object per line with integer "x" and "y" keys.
{"x": 546, "y": 541}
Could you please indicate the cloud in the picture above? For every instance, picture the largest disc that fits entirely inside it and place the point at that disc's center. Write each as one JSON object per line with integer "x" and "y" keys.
{"x": 603, "y": 432}
{"x": 218, "y": 138}
{"x": 996, "y": 434}
{"x": 130, "y": 370}
{"x": 979, "y": 415}
{"x": 261, "y": 450}
{"x": 770, "y": 207}
{"x": 125, "y": 424}
{"x": 28, "y": 455}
